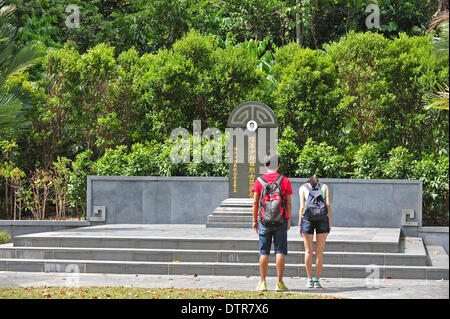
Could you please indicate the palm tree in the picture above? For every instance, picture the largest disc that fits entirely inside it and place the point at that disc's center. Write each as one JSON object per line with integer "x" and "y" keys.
{"x": 440, "y": 100}
{"x": 10, "y": 64}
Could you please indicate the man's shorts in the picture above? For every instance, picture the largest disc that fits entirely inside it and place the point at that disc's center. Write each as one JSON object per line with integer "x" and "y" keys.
{"x": 279, "y": 235}
{"x": 320, "y": 227}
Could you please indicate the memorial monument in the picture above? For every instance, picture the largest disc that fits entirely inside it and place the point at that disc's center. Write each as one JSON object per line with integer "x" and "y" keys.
{"x": 252, "y": 129}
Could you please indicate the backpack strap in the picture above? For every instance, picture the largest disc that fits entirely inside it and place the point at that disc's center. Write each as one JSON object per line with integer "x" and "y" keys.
{"x": 263, "y": 183}
{"x": 279, "y": 179}
{"x": 308, "y": 187}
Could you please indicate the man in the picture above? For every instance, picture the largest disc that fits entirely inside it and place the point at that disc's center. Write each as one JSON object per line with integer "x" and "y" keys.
{"x": 267, "y": 233}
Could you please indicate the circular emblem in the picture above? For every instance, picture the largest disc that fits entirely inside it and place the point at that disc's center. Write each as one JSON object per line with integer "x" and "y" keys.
{"x": 252, "y": 126}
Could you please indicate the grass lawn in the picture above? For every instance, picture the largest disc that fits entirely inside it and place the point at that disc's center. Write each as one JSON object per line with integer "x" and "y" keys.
{"x": 144, "y": 293}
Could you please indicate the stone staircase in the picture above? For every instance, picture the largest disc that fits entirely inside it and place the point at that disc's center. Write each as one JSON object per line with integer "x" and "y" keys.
{"x": 232, "y": 212}
{"x": 195, "y": 249}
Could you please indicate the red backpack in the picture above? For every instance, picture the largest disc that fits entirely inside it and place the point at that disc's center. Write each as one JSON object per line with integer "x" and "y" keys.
{"x": 271, "y": 202}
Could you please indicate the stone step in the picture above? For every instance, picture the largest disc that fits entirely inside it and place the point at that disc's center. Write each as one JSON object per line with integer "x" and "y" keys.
{"x": 229, "y": 225}
{"x": 220, "y": 269}
{"x": 239, "y": 202}
{"x": 171, "y": 255}
{"x": 232, "y": 211}
{"x": 230, "y": 219}
{"x": 436, "y": 256}
{"x": 192, "y": 243}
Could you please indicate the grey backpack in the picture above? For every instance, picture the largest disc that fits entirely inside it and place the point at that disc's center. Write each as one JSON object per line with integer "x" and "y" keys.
{"x": 315, "y": 208}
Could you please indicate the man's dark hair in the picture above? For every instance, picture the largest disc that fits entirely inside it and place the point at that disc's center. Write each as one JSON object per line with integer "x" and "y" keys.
{"x": 313, "y": 181}
{"x": 272, "y": 160}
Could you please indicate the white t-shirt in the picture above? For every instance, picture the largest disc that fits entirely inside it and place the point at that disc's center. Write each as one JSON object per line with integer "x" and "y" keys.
{"x": 306, "y": 191}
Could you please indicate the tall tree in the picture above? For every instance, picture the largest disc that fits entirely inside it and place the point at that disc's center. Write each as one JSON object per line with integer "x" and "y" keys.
{"x": 10, "y": 64}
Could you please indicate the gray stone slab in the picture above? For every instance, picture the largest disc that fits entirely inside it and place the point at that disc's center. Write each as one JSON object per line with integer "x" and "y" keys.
{"x": 437, "y": 256}
{"x": 156, "y": 255}
{"x": 226, "y": 256}
{"x": 138, "y": 269}
{"x": 105, "y": 267}
{"x": 190, "y": 269}
{"x": 243, "y": 269}
{"x": 195, "y": 255}
{"x": 360, "y": 272}
{"x": 363, "y": 259}
{"x": 435, "y": 273}
{"x": 409, "y": 272}
{"x": 168, "y": 231}
{"x": 237, "y": 269}
{"x": 375, "y": 203}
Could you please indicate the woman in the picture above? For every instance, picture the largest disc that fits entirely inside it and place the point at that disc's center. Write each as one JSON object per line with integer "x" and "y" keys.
{"x": 307, "y": 228}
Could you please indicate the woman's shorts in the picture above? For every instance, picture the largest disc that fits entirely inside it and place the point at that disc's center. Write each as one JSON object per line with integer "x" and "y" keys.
{"x": 320, "y": 227}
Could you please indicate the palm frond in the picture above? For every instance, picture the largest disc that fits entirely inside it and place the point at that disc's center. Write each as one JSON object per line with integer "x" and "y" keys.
{"x": 10, "y": 110}
{"x": 22, "y": 60}
{"x": 438, "y": 100}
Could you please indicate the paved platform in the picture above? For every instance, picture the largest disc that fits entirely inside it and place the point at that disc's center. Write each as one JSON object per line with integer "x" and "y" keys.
{"x": 195, "y": 231}
{"x": 346, "y": 287}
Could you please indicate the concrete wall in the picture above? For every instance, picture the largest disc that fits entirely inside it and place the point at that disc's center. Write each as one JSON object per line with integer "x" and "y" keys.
{"x": 368, "y": 203}
{"x": 25, "y": 227}
{"x": 155, "y": 200}
{"x": 434, "y": 236}
{"x": 189, "y": 200}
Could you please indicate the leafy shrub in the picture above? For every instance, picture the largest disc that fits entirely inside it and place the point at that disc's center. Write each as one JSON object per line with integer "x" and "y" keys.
{"x": 4, "y": 238}
{"x": 306, "y": 96}
{"x": 321, "y": 160}
{"x": 399, "y": 164}
{"x": 435, "y": 177}
{"x": 198, "y": 80}
{"x": 367, "y": 162}
{"x": 81, "y": 168}
{"x": 289, "y": 152}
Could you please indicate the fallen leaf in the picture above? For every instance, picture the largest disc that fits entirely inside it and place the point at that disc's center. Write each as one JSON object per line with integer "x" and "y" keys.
{"x": 195, "y": 275}
{"x": 248, "y": 276}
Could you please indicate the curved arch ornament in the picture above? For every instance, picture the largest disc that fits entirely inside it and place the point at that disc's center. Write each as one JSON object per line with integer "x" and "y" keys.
{"x": 252, "y": 111}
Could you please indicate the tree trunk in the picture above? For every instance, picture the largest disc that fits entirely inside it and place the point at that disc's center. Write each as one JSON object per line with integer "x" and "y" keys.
{"x": 297, "y": 22}
{"x": 15, "y": 199}
{"x": 6, "y": 199}
{"x": 443, "y": 6}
